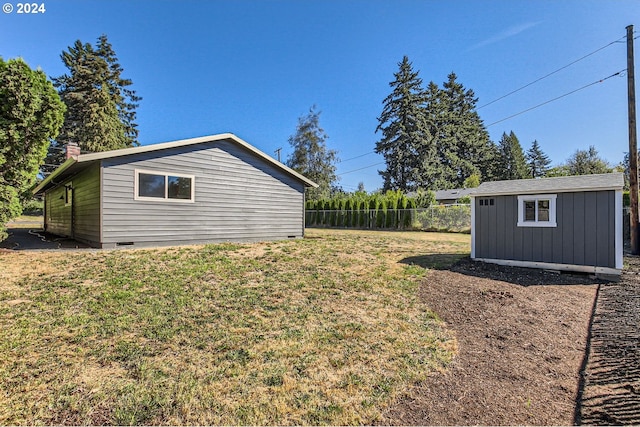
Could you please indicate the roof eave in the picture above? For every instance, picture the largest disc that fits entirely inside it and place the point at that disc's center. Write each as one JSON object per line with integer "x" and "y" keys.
{"x": 173, "y": 144}
{"x": 540, "y": 191}
{"x": 45, "y": 182}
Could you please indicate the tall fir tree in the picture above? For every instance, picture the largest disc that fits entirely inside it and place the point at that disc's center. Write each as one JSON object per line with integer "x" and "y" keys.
{"x": 537, "y": 161}
{"x": 512, "y": 162}
{"x": 463, "y": 142}
{"x": 125, "y": 98}
{"x": 100, "y": 105}
{"x": 406, "y": 143}
{"x": 311, "y": 157}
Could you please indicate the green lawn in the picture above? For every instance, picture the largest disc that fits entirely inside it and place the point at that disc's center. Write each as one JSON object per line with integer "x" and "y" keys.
{"x": 324, "y": 330}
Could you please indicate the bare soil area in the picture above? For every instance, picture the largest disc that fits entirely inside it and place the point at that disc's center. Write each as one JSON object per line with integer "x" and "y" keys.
{"x": 522, "y": 336}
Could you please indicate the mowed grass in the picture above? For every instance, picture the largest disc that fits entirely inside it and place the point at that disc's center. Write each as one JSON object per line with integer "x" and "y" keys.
{"x": 324, "y": 330}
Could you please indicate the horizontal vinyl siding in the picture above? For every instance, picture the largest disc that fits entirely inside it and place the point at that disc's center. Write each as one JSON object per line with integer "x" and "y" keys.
{"x": 237, "y": 197}
{"x": 57, "y": 216}
{"x": 585, "y": 234}
{"x": 86, "y": 205}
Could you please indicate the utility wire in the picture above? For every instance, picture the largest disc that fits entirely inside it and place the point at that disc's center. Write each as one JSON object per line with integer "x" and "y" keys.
{"x": 359, "y": 169}
{"x": 551, "y": 73}
{"x": 357, "y": 157}
{"x": 559, "y": 97}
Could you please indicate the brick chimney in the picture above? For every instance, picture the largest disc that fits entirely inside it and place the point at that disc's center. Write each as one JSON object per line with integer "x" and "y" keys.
{"x": 72, "y": 150}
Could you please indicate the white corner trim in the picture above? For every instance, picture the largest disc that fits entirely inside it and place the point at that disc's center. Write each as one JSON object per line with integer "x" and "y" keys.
{"x": 618, "y": 228}
{"x": 554, "y": 266}
{"x": 473, "y": 227}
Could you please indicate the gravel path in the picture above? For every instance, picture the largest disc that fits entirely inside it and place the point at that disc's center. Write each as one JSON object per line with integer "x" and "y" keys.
{"x": 610, "y": 391}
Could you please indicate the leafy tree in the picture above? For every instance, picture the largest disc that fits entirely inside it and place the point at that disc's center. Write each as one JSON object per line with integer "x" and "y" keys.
{"x": 311, "y": 157}
{"x": 463, "y": 142}
{"x": 625, "y": 168}
{"x": 512, "y": 162}
{"x": 361, "y": 187}
{"x": 587, "y": 162}
{"x": 31, "y": 114}
{"x": 472, "y": 181}
{"x": 560, "y": 170}
{"x": 405, "y": 144}
{"x": 537, "y": 161}
{"x": 100, "y": 106}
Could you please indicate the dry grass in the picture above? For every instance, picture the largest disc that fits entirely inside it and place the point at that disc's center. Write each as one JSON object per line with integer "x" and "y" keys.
{"x": 325, "y": 330}
{"x": 27, "y": 221}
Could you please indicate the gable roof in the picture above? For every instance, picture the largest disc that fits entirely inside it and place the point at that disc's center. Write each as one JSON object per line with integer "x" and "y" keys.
{"x": 79, "y": 162}
{"x": 561, "y": 184}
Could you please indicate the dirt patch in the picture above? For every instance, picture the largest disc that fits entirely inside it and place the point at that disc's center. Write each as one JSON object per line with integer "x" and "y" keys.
{"x": 521, "y": 334}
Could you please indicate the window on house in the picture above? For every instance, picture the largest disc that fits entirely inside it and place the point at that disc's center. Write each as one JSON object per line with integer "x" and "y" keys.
{"x": 164, "y": 186}
{"x": 486, "y": 202}
{"x": 537, "y": 210}
{"x": 68, "y": 194}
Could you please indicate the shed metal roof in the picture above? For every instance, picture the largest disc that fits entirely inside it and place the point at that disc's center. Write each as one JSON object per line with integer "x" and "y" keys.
{"x": 76, "y": 163}
{"x": 561, "y": 184}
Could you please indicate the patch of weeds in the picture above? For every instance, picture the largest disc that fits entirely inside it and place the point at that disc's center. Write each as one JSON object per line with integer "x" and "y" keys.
{"x": 414, "y": 270}
{"x": 324, "y": 414}
{"x": 274, "y": 376}
{"x": 241, "y": 356}
{"x": 301, "y": 364}
{"x": 135, "y": 406}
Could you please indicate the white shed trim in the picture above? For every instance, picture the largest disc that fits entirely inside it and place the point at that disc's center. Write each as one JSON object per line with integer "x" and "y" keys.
{"x": 618, "y": 228}
{"x": 554, "y": 266}
{"x": 473, "y": 227}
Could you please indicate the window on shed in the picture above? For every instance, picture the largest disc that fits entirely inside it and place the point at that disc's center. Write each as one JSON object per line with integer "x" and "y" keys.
{"x": 537, "y": 210}
{"x": 529, "y": 210}
{"x": 164, "y": 186}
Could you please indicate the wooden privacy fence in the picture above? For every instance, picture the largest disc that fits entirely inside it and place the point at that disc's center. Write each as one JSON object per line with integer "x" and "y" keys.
{"x": 452, "y": 218}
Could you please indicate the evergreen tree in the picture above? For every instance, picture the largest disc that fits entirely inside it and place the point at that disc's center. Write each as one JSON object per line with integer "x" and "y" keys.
{"x": 537, "y": 161}
{"x": 100, "y": 106}
{"x": 125, "y": 98}
{"x": 463, "y": 142}
{"x": 310, "y": 155}
{"x": 406, "y": 144}
{"x": 512, "y": 162}
{"x": 31, "y": 114}
{"x": 587, "y": 162}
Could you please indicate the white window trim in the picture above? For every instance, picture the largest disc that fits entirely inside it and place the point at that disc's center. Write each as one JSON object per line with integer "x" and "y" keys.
{"x": 166, "y": 187}
{"x": 535, "y": 197}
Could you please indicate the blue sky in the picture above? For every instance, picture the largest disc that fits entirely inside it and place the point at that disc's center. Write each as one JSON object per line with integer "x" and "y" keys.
{"x": 254, "y": 67}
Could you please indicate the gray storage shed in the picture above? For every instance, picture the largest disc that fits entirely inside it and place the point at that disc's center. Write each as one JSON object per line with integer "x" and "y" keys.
{"x": 564, "y": 223}
{"x": 209, "y": 189}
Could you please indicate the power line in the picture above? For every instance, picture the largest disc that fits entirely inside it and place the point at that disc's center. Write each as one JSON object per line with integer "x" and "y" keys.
{"x": 559, "y": 97}
{"x": 359, "y": 169}
{"x": 357, "y": 157}
{"x": 551, "y": 73}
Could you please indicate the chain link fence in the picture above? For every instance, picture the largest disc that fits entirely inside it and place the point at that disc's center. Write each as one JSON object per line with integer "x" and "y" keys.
{"x": 449, "y": 218}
